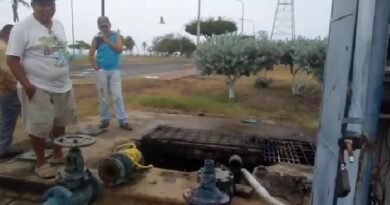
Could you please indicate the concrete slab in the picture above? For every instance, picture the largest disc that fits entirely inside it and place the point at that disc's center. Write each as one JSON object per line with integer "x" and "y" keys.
{"x": 30, "y": 155}
{"x": 154, "y": 187}
{"x": 159, "y": 186}
{"x": 23, "y": 203}
{"x": 18, "y": 180}
{"x": 5, "y": 201}
{"x": 173, "y": 75}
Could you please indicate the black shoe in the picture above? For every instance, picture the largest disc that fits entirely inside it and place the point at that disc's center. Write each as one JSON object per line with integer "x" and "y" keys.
{"x": 126, "y": 126}
{"x": 104, "y": 124}
{"x": 10, "y": 154}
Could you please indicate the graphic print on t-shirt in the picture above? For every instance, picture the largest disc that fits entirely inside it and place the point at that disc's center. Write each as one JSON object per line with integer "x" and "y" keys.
{"x": 55, "y": 48}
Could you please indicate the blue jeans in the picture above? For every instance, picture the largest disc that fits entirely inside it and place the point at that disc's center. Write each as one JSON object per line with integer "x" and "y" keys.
{"x": 110, "y": 82}
{"x": 9, "y": 112}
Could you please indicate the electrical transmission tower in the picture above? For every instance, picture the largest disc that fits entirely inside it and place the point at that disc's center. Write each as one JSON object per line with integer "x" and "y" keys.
{"x": 284, "y": 21}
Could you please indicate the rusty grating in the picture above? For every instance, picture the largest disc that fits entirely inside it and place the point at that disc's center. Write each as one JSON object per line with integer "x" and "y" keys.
{"x": 209, "y": 137}
{"x": 289, "y": 151}
{"x": 170, "y": 146}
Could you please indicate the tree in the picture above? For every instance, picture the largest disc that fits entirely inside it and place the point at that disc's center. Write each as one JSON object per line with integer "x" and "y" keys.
{"x": 80, "y": 45}
{"x": 211, "y": 27}
{"x": 150, "y": 51}
{"x": 263, "y": 35}
{"x": 187, "y": 47}
{"x": 129, "y": 43}
{"x": 234, "y": 57}
{"x": 144, "y": 46}
{"x": 303, "y": 55}
{"x": 15, "y": 5}
{"x": 170, "y": 44}
{"x": 311, "y": 56}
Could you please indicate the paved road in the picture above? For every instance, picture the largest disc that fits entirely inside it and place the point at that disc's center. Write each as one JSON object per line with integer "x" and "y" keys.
{"x": 130, "y": 69}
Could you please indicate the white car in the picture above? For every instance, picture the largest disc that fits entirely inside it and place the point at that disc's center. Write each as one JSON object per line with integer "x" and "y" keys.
{"x": 176, "y": 54}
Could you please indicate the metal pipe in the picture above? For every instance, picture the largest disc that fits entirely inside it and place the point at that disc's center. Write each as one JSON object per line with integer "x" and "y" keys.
{"x": 62, "y": 196}
{"x": 207, "y": 192}
{"x": 119, "y": 167}
{"x": 260, "y": 189}
{"x": 50, "y": 202}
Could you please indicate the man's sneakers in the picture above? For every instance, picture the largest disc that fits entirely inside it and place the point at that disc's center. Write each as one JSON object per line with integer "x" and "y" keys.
{"x": 11, "y": 154}
{"x": 104, "y": 124}
{"x": 123, "y": 125}
{"x": 126, "y": 126}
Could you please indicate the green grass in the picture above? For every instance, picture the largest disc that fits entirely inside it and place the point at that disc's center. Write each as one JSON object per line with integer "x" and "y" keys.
{"x": 188, "y": 104}
{"x": 208, "y": 96}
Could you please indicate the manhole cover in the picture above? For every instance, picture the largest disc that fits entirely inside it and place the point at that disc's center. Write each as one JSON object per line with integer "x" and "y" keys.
{"x": 185, "y": 149}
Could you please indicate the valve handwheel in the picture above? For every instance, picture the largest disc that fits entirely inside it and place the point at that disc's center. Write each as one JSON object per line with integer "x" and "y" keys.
{"x": 74, "y": 140}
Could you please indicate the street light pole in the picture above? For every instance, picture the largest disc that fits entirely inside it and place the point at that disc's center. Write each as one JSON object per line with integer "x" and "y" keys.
{"x": 198, "y": 26}
{"x": 253, "y": 23}
{"x": 71, "y": 7}
{"x": 103, "y": 8}
{"x": 181, "y": 45}
{"x": 243, "y": 16}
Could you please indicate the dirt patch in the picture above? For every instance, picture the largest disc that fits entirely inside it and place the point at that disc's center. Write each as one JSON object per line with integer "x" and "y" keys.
{"x": 208, "y": 96}
{"x": 287, "y": 181}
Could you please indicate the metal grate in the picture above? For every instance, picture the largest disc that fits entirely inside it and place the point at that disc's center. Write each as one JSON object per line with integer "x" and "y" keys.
{"x": 209, "y": 137}
{"x": 192, "y": 144}
{"x": 289, "y": 151}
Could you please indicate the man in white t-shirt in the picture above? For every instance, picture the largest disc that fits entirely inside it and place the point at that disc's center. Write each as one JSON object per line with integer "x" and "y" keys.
{"x": 37, "y": 56}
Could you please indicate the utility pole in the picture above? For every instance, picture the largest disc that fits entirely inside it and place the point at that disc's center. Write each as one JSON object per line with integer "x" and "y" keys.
{"x": 243, "y": 16}
{"x": 103, "y": 8}
{"x": 198, "y": 27}
{"x": 71, "y": 7}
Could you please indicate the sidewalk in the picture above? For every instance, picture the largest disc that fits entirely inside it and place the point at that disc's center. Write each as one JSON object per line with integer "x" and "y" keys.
{"x": 173, "y": 75}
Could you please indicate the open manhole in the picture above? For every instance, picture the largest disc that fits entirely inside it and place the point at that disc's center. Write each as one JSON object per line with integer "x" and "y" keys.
{"x": 186, "y": 149}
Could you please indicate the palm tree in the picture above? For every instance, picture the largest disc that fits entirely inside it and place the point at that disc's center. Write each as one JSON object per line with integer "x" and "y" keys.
{"x": 15, "y": 5}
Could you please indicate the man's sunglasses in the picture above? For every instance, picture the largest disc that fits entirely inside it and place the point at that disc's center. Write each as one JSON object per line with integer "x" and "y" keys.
{"x": 104, "y": 26}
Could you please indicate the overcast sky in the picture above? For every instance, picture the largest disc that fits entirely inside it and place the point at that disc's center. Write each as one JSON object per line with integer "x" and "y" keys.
{"x": 140, "y": 18}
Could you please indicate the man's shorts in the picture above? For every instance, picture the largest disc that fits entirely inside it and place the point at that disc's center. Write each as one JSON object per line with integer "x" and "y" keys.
{"x": 46, "y": 110}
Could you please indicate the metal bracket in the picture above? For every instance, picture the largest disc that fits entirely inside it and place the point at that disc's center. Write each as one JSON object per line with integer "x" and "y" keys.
{"x": 353, "y": 120}
{"x": 351, "y": 141}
